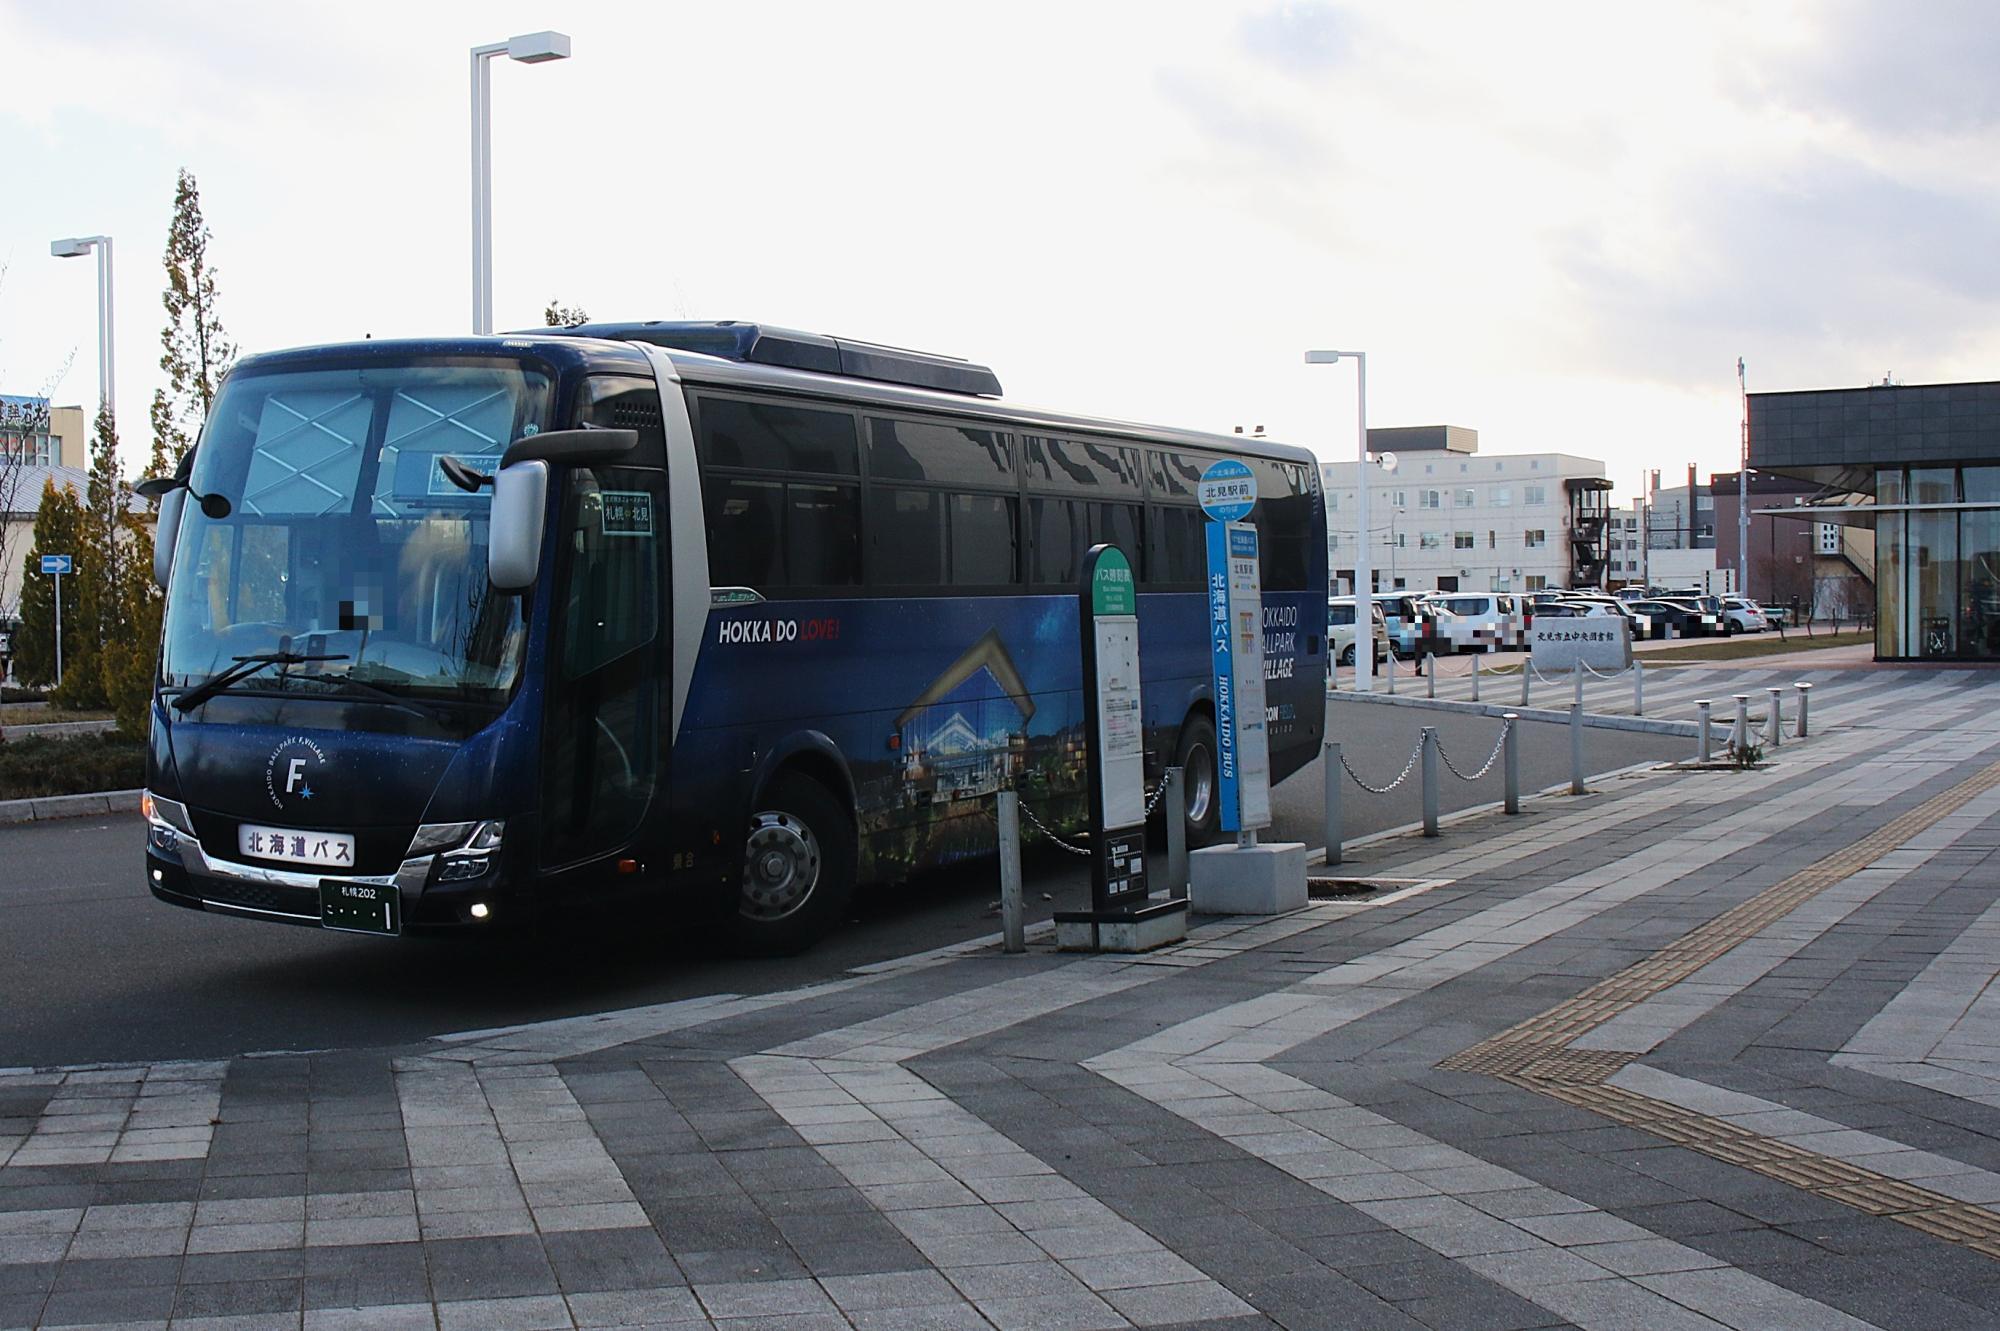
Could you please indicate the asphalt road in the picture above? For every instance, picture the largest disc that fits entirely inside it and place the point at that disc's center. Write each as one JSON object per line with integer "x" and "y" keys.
{"x": 92, "y": 969}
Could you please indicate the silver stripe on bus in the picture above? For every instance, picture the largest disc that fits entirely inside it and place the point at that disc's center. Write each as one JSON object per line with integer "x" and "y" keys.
{"x": 687, "y": 531}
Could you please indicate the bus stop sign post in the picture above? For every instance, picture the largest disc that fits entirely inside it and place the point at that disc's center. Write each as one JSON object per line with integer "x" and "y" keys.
{"x": 55, "y": 566}
{"x": 1122, "y": 917}
{"x": 1247, "y": 878}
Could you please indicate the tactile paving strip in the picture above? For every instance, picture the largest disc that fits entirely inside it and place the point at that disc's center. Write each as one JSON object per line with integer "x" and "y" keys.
{"x": 1535, "y": 1054}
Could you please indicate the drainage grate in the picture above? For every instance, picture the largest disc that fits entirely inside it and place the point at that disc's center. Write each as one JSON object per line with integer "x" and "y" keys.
{"x": 1534, "y": 1053}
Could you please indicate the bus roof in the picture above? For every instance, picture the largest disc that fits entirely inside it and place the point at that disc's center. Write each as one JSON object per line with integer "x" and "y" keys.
{"x": 580, "y": 348}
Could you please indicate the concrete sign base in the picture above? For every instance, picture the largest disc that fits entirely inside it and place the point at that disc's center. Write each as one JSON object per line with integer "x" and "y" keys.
{"x": 1266, "y": 879}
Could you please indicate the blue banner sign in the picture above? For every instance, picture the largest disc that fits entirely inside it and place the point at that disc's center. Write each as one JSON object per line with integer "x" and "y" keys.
{"x": 1222, "y": 670}
{"x": 56, "y": 564}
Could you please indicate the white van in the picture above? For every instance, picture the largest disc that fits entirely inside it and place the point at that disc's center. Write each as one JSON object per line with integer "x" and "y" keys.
{"x": 1484, "y": 621}
{"x": 1340, "y": 632}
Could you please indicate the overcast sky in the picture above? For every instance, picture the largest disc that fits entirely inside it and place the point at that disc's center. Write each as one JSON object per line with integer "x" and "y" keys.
{"x": 1559, "y": 225}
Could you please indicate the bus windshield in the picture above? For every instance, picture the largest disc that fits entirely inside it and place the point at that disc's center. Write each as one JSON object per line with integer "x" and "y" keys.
{"x": 345, "y": 541}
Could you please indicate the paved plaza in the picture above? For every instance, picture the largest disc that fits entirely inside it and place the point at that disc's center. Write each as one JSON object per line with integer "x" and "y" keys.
{"x": 1699, "y": 1050}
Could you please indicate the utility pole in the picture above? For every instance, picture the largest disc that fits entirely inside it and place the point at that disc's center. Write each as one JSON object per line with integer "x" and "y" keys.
{"x": 1742, "y": 488}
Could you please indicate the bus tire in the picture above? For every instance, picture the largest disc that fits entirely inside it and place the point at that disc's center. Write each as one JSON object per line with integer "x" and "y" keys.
{"x": 1201, "y": 800}
{"x": 798, "y": 868}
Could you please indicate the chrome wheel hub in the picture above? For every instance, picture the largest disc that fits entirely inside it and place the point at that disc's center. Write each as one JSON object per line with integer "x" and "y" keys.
{"x": 780, "y": 866}
{"x": 1200, "y": 777}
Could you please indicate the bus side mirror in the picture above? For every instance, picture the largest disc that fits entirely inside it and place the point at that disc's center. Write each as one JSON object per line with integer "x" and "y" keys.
{"x": 166, "y": 534}
{"x": 514, "y": 544}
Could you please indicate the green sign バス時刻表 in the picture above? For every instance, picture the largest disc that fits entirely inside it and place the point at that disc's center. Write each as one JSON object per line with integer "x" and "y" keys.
{"x": 1112, "y": 591}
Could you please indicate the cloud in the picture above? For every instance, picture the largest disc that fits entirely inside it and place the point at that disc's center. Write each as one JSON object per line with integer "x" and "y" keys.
{"x": 1895, "y": 69}
{"x": 1307, "y": 38}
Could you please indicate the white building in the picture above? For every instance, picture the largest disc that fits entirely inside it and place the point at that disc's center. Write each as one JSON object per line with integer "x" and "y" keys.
{"x": 1447, "y": 519}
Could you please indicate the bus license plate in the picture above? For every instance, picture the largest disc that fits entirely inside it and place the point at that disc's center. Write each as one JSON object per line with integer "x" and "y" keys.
{"x": 368, "y": 908}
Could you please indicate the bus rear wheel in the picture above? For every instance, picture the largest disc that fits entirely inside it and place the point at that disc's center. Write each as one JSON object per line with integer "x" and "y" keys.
{"x": 1201, "y": 800}
{"x": 798, "y": 868}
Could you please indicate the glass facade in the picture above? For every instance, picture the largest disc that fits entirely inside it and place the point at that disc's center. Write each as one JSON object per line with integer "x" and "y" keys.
{"x": 1938, "y": 569}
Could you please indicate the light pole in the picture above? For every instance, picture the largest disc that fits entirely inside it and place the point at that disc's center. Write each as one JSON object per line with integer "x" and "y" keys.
{"x": 531, "y": 48}
{"x": 75, "y": 247}
{"x": 1364, "y": 575}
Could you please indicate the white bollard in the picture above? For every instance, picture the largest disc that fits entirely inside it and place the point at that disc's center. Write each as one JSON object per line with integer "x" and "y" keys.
{"x": 1576, "y": 682}
{"x": 1638, "y": 688}
{"x": 1774, "y": 720}
{"x": 1475, "y": 679}
{"x": 1805, "y": 695}
{"x": 1431, "y": 674}
{"x": 1012, "y": 920}
{"x": 1330, "y": 828}
{"x": 1739, "y": 734}
{"x": 1576, "y": 785}
{"x": 1527, "y": 673}
{"x": 1512, "y": 759}
{"x": 1429, "y": 744}
{"x": 1701, "y": 706}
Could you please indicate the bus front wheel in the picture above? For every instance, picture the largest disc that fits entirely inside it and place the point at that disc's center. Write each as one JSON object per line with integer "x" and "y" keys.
{"x": 798, "y": 868}
{"x": 1201, "y": 801}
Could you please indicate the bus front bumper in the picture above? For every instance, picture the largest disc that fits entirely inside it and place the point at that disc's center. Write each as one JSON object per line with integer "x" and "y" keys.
{"x": 180, "y": 872}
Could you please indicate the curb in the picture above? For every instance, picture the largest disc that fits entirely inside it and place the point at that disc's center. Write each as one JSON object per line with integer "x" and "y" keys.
{"x": 1644, "y": 725}
{"x": 49, "y": 807}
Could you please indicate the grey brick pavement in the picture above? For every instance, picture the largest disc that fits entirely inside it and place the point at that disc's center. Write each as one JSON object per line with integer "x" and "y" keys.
{"x": 1250, "y": 1130}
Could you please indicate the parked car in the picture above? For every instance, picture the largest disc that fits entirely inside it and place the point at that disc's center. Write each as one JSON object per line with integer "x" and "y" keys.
{"x": 1679, "y": 619}
{"x": 1639, "y": 625}
{"x": 1484, "y": 622}
{"x": 1340, "y": 632}
{"x": 1740, "y": 614}
{"x": 1413, "y": 623}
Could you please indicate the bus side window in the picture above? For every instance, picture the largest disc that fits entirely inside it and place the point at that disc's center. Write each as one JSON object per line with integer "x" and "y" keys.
{"x": 1055, "y": 540}
{"x": 985, "y": 539}
{"x": 905, "y": 537}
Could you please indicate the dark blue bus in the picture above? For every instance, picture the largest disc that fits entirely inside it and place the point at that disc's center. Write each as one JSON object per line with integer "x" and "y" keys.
{"x": 480, "y": 629}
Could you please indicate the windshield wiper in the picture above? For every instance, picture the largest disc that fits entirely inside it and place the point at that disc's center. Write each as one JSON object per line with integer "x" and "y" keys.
{"x": 353, "y": 687}
{"x": 245, "y": 667}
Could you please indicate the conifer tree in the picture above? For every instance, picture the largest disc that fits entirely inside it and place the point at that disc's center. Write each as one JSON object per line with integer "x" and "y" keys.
{"x": 195, "y": 352}
{"x": 58, "y": 531}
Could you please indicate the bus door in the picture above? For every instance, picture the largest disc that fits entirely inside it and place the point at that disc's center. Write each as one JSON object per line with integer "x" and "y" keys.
{"x": 604, "y": 745}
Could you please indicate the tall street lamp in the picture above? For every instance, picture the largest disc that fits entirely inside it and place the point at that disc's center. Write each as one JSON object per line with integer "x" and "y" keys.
{"x": 75, "y": 247}
{"x": 1364, "y": 575}
{"x": 531, "y": 48}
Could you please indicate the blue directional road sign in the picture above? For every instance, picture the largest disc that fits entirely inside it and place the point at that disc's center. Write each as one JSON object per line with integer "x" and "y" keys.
{"x": 56, "y": 564}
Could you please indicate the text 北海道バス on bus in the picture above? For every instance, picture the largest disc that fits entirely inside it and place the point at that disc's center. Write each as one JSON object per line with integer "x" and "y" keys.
{"x": 477, "y": 628}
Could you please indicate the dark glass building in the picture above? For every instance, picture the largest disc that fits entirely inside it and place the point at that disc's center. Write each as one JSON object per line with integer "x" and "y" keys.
{"x": 1920, "y": 463}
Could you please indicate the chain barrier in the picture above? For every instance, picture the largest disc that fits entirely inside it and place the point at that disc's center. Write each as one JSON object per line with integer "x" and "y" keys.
{"x": 1408, "y": 767}
{"x": 1491, "y": 758}
{"x": 1046, "y": 831}
{"x": 1026, "y": 812}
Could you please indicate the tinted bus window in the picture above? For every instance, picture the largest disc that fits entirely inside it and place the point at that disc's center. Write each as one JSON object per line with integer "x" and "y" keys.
{"x": 1060, "y": 530}
{"x": 823, "y": 535}
{"x": 1177, "y": 551}
{"x": 763, "y": 436}
{"x": 1068, "y": 464}
{"x": 906, "y": 537}
{"x": 1175, "y": 475}
{"x": 1284, "y": 523}
{"x": 946, "y": 454}
{"x": 1055, "y": 540}
{"x": 983, "y": 540}
{"x": 745, "y": 526}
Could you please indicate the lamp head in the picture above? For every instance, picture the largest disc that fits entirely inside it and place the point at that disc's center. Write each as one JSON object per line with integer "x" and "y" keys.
{"x": 1323, "y": 357}
{"x": 73, "y": 247}
{"x": 533, "y": 48}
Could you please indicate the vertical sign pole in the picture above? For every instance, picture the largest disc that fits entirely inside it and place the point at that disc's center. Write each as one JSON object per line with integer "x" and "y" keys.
{"x": 1114, "y": 739}
{"x": 58, "y": 578}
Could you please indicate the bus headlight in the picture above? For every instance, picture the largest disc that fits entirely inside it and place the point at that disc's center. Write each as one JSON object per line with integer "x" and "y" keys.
{"x": 166, "y": 822}
{"x": 475, "y": 856}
